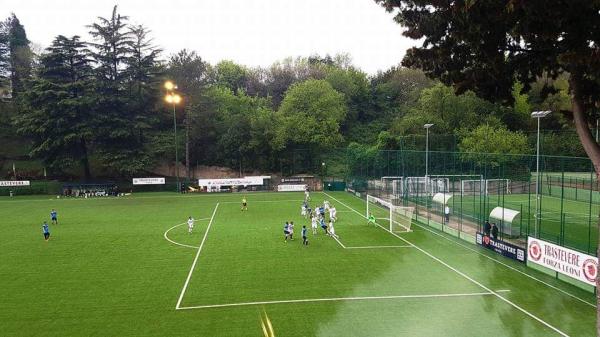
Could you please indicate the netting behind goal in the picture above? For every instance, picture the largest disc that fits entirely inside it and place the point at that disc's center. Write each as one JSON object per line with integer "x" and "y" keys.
{"x": 487, "y": 187}
{"x": 472, "y": 187}
{"x": 497, "y": 186}
{"x": 421, "y": 186}
{"x": 395, "y": 218}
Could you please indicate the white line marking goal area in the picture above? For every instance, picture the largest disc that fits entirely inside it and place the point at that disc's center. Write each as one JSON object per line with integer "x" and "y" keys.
{"x": 187, "y": 280}
{"x": 338, "y": 299}
{"x": 548, "y": 325}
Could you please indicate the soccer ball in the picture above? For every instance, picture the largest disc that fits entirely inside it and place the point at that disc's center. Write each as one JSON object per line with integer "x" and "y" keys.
{"x": 58, "y": 197}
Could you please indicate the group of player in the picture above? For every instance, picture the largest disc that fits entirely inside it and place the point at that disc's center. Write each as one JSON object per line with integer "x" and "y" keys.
{"x": 317, "y": 218}
{"x": 46, "y": 227}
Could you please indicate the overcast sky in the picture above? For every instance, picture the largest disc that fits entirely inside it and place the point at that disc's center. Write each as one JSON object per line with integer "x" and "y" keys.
{"x": 250, "y": 32}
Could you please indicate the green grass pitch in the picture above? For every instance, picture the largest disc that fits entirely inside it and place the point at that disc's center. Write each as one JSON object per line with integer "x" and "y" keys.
{"x": 126, "y": 267}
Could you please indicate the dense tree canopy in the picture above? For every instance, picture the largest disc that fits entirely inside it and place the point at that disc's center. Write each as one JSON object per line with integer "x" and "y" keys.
{"x": 486, "y": 46}
{"x": 94, "y": 106}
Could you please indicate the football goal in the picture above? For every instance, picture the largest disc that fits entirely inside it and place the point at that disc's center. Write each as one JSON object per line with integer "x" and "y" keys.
{"x": 396, "y": 218}
{"x": 421, "y": 186}
{"x": 497, "y": 186}
{"x": 487, "y": 186}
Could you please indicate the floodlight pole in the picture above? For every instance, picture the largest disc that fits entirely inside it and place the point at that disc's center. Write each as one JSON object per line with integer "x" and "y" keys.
{"x": 427, "y": 126}
{"x": 176, "y": 148}
{"x": 538, "y": 115}
{"x": 427, "y": 153}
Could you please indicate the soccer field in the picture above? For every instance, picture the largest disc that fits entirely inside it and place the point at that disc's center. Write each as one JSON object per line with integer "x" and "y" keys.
{"x": 128, "y": 267}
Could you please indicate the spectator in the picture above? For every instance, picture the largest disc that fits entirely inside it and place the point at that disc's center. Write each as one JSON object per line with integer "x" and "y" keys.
{"x": 494, "y": 231}
{"x": 447, "y": 213}
{"x": 487, "y": 228}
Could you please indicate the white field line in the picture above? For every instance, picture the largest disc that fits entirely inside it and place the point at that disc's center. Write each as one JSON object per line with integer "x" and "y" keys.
{"x": 135, "y": 196}
{"x": 177, "y": 243}
{"x": 338, "y": 241}
{"x": 260, "y": 201}
{"x": 377, "y": 247}
{"x": 465, "y": 276}
{"x": 334, "y": 299}
{"x": 187, "y": 280}
{"x": 502, "y": 263}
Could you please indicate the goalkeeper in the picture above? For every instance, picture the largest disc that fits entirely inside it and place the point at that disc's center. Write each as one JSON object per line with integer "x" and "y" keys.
{"x": 371, "y": 219}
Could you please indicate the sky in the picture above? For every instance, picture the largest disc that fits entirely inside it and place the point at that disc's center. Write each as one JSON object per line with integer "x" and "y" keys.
{"x": 249, "y": 32}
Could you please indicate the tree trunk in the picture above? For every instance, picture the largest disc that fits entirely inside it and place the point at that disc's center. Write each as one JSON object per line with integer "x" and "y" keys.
{"x": 593, "y": 151}
{"x": 85, "y": 160}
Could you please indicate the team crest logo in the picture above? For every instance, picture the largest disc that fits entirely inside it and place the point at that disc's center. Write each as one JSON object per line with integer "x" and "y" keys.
{"x": 590, "y": 269}
{"x": 486, "y": 240}
{"x": 535, "y": 251}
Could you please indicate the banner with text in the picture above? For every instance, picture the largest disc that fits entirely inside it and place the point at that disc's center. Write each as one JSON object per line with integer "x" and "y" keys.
{"x": 246, "y": 181}
{"x": 291, "y": 188}
{"x": 12, "y": 183}
{"x": 501, "y": 247}
{"x": 148, "y": 181}
{"x": 566, "y": 261}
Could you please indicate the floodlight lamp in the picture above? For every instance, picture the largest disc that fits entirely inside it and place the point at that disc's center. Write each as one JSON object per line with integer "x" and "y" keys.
{"x": 427, "y": 126}
{"x": 540, "y": 114}
{"x": 169, "y": 98}
{"x": 176, "y": 99}
{"x": 169, "y": 85}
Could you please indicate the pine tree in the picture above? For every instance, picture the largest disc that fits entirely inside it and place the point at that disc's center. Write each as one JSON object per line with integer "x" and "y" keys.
{"x": 20, "y": 55}
{"x": 56, "y": 109}
{"x": 120, "y": 146}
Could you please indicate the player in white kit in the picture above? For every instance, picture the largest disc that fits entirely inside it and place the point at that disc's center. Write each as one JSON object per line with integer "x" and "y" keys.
{"x": 313, "y": 224}
{"x": 332, "y": 213}
{"x": 332, "y": 229}
{"x": 190, "y": 223}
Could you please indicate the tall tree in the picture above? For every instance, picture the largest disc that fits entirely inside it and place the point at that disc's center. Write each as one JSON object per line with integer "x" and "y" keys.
{"x": 56, "y": 110}
{"x": 4, "y": 61}
{"x": 120, "y": 144}
{"x": 485, "y": 46}
{"x": 311, "y": 114}
{"x": 20, "y": 55}
{"x": 143, "y": 72}
{"x": 191, "y": 74}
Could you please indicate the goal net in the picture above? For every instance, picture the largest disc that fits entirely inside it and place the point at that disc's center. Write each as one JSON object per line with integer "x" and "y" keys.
{"x": 390, "y": 184}
{"x": 397, "y": 218}
{"x": 497, "y": 186}
{"x": 421, "y": 186}
{"x": 472, "y": 187}
{"x": 487, "y": 186}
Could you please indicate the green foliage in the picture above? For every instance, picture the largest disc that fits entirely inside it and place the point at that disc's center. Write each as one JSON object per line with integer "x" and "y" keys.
{"x": 56, "y": 109}
{"x": 125, "y": 91}
{"x": 449, "y": 112}
{"x": 230, "y": 75}
{"x": 498, "y": 142}
{"x": 20, "y": 55}
{"x": 311, "y": 113}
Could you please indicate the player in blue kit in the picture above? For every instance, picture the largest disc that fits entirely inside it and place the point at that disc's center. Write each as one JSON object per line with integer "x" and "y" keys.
{"x": 286, "y": 231}
{"x": 304, "y": 238}
{"x": 324, "y": 226}
{"x": 54, "y": 217}
{"x": 46, "y": 231}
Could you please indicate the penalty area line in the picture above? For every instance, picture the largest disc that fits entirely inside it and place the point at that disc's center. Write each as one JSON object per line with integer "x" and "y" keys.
{"x": 338, "y": 299}
{"x": 187, "y": 280}
{"x": 548, "y": 325}
{"x": 377, "y": 247}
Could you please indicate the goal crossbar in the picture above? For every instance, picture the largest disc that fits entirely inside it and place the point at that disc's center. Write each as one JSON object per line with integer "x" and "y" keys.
{"x": 399, "y": 218}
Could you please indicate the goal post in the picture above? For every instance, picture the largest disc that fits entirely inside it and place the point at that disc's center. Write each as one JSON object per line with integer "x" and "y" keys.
{"x": 397, "y": 218}
{"x": 497, "y": 186}
{"x": 486, "y": 187}
{"x": 472, "y": 187}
